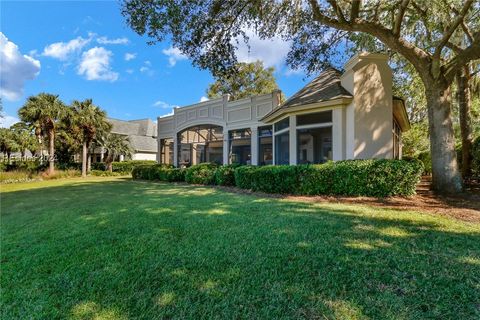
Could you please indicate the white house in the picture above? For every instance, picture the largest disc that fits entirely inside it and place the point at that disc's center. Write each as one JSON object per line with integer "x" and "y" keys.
{"x": 337, "y": 116}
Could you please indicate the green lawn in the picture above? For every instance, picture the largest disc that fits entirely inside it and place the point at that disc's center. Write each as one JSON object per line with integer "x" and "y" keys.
{"x": 112, "y": 248}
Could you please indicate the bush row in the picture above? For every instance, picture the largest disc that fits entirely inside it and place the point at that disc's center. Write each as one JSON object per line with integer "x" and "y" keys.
{"x": 122, "y": 166}
{"x": 161, "y": 172}
{"x": 378, "y": 178}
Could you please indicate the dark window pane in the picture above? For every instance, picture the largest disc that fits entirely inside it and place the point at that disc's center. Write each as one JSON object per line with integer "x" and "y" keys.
{"x": 240, "y": 146}
{"x": 282, "y": 124}
{"x": 282, "y": 148}
{"x": 265, "y": 131}
{"x": 313, "y": 118}
{"x": 265, "y": 151}
{"x": 314, "y": 145}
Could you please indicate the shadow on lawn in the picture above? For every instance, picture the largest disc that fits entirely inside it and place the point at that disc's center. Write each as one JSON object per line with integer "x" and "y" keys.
{"x": 175, "y": 251}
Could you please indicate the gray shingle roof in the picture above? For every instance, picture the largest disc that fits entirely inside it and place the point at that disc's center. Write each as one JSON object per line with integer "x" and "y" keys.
{"x": 141, "y": 133}
{"x": 326, "y": 86}
{"x": 143, "y": 143}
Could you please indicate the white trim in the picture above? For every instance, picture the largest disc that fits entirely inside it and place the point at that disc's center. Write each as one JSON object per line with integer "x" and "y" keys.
{"x": 281, "y": 131}
{"x": 315, "y": 125}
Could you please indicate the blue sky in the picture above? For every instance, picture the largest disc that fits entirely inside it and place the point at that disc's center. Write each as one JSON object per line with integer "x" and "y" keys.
{"x": 84, "y": 49}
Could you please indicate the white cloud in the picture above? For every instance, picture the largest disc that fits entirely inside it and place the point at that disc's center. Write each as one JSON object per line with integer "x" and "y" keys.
{"x": 63, "y": 50}
{"x": 7, "y": 121}
{"x": 105, "y": 40}
{"x": 167, "y": 114}
{"x": 95, "y": 65}
{"x": 146, "y": 68}
{"x": 163, "y": 105}
{"x": 272, "y": 52}
{"x": 174, "y": 55}
{"x": 15, "y": 69}
{"x": 130, "y": 56}
{"x": 129, "y": 71}
{"x": 203, "y": 98}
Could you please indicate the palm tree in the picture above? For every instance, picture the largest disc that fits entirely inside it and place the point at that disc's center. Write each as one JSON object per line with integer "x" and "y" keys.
{"x": 90, "y": 121}
{"x": 44, "y": 112}
{"x": 115, "y": 145}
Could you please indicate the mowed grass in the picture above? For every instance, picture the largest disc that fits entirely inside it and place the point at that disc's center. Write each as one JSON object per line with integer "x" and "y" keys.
{"x": 112, "y": 248}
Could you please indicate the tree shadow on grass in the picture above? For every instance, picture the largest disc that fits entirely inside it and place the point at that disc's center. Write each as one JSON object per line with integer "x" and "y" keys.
{"x": 144, "y": 250}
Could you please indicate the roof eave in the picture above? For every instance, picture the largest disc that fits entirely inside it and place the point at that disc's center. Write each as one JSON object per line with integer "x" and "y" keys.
{"x": 281, "y": 111}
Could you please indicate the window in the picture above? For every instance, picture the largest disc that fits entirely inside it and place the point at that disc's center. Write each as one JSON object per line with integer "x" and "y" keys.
{"x": 314, "y": 145}
{"x": 240, "y": 146}
{"x": 265, "y": 148}
{"x": 166, "y": 151}
{"x": 314, "y": 118}
{"x": 282, "y": 145}
{"x": 282, "y": 124}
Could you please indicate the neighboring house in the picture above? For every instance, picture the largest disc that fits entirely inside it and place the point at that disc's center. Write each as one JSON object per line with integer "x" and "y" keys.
{"x": 337, "y": 116}
{"x": 142, "y": 136}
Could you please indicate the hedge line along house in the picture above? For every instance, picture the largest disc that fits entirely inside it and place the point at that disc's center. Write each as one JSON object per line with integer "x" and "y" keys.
{"x": 337, "y": 116}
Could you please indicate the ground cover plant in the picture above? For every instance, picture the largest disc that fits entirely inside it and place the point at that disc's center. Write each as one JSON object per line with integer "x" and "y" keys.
{"x": 111, "y": 248}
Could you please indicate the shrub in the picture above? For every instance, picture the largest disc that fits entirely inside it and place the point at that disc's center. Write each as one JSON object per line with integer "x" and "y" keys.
{"x": 377, "y": 178}
{"x": 276, "y": 179}
{"x": 17, "y": 176}
{"x": 60, "y": 174}
{"x": 127, "y": 166}
{"x": 162, "y": 172}
{"x": 244, "y": 175}
{"x": 141, "y": 171}
{"x": 100, "y": 173}
{"x": 476, "y": 158}
{"x": 225, "y": 175}
{"x": 203, "y": 173}
{"x": 100, "y": 166}
{"x": 426, "y": 159}
{"x": 27, "y": 166}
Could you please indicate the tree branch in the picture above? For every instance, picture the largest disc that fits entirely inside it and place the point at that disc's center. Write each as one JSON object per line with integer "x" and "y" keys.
{"x": 399, "y": 17}
{"x": 412, "y": 53}
{"x": 338, "y": 11}
{"x": 448, "y": 33}
{"x": 465, "y": 28}
{"x": 462, "y": 58}
{"x": 355, "y": 9}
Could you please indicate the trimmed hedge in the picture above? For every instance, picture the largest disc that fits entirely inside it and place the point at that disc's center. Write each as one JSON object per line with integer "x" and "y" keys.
{"x": 122, "y": 166}
{"x": 225, "y": 175}
{"x": 161, "y": 172}
{"x": 203, "y": 173}
{"x": 375, "y": 178}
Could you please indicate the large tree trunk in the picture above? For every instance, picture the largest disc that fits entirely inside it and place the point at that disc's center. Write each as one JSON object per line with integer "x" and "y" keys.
{"x": 464, "y": 110}
{"x": 51, "y": 151}
{"x": 445, "y": 174}
{"x": 84, "y": 159}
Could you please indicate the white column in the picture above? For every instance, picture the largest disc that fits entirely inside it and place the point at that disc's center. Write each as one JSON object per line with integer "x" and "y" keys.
{"x": 122, "y": 157}
{"x": 175, "y": 150}
{"x": 225, "y": 146}
{"x": 254, "y": 146}
{"x": 159, "y": 150}
{"x": 292, "y": 152}
{"x": 273, "y": 145}
{"x": 338, "y": 136}
{"x": 102, "y": 154}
